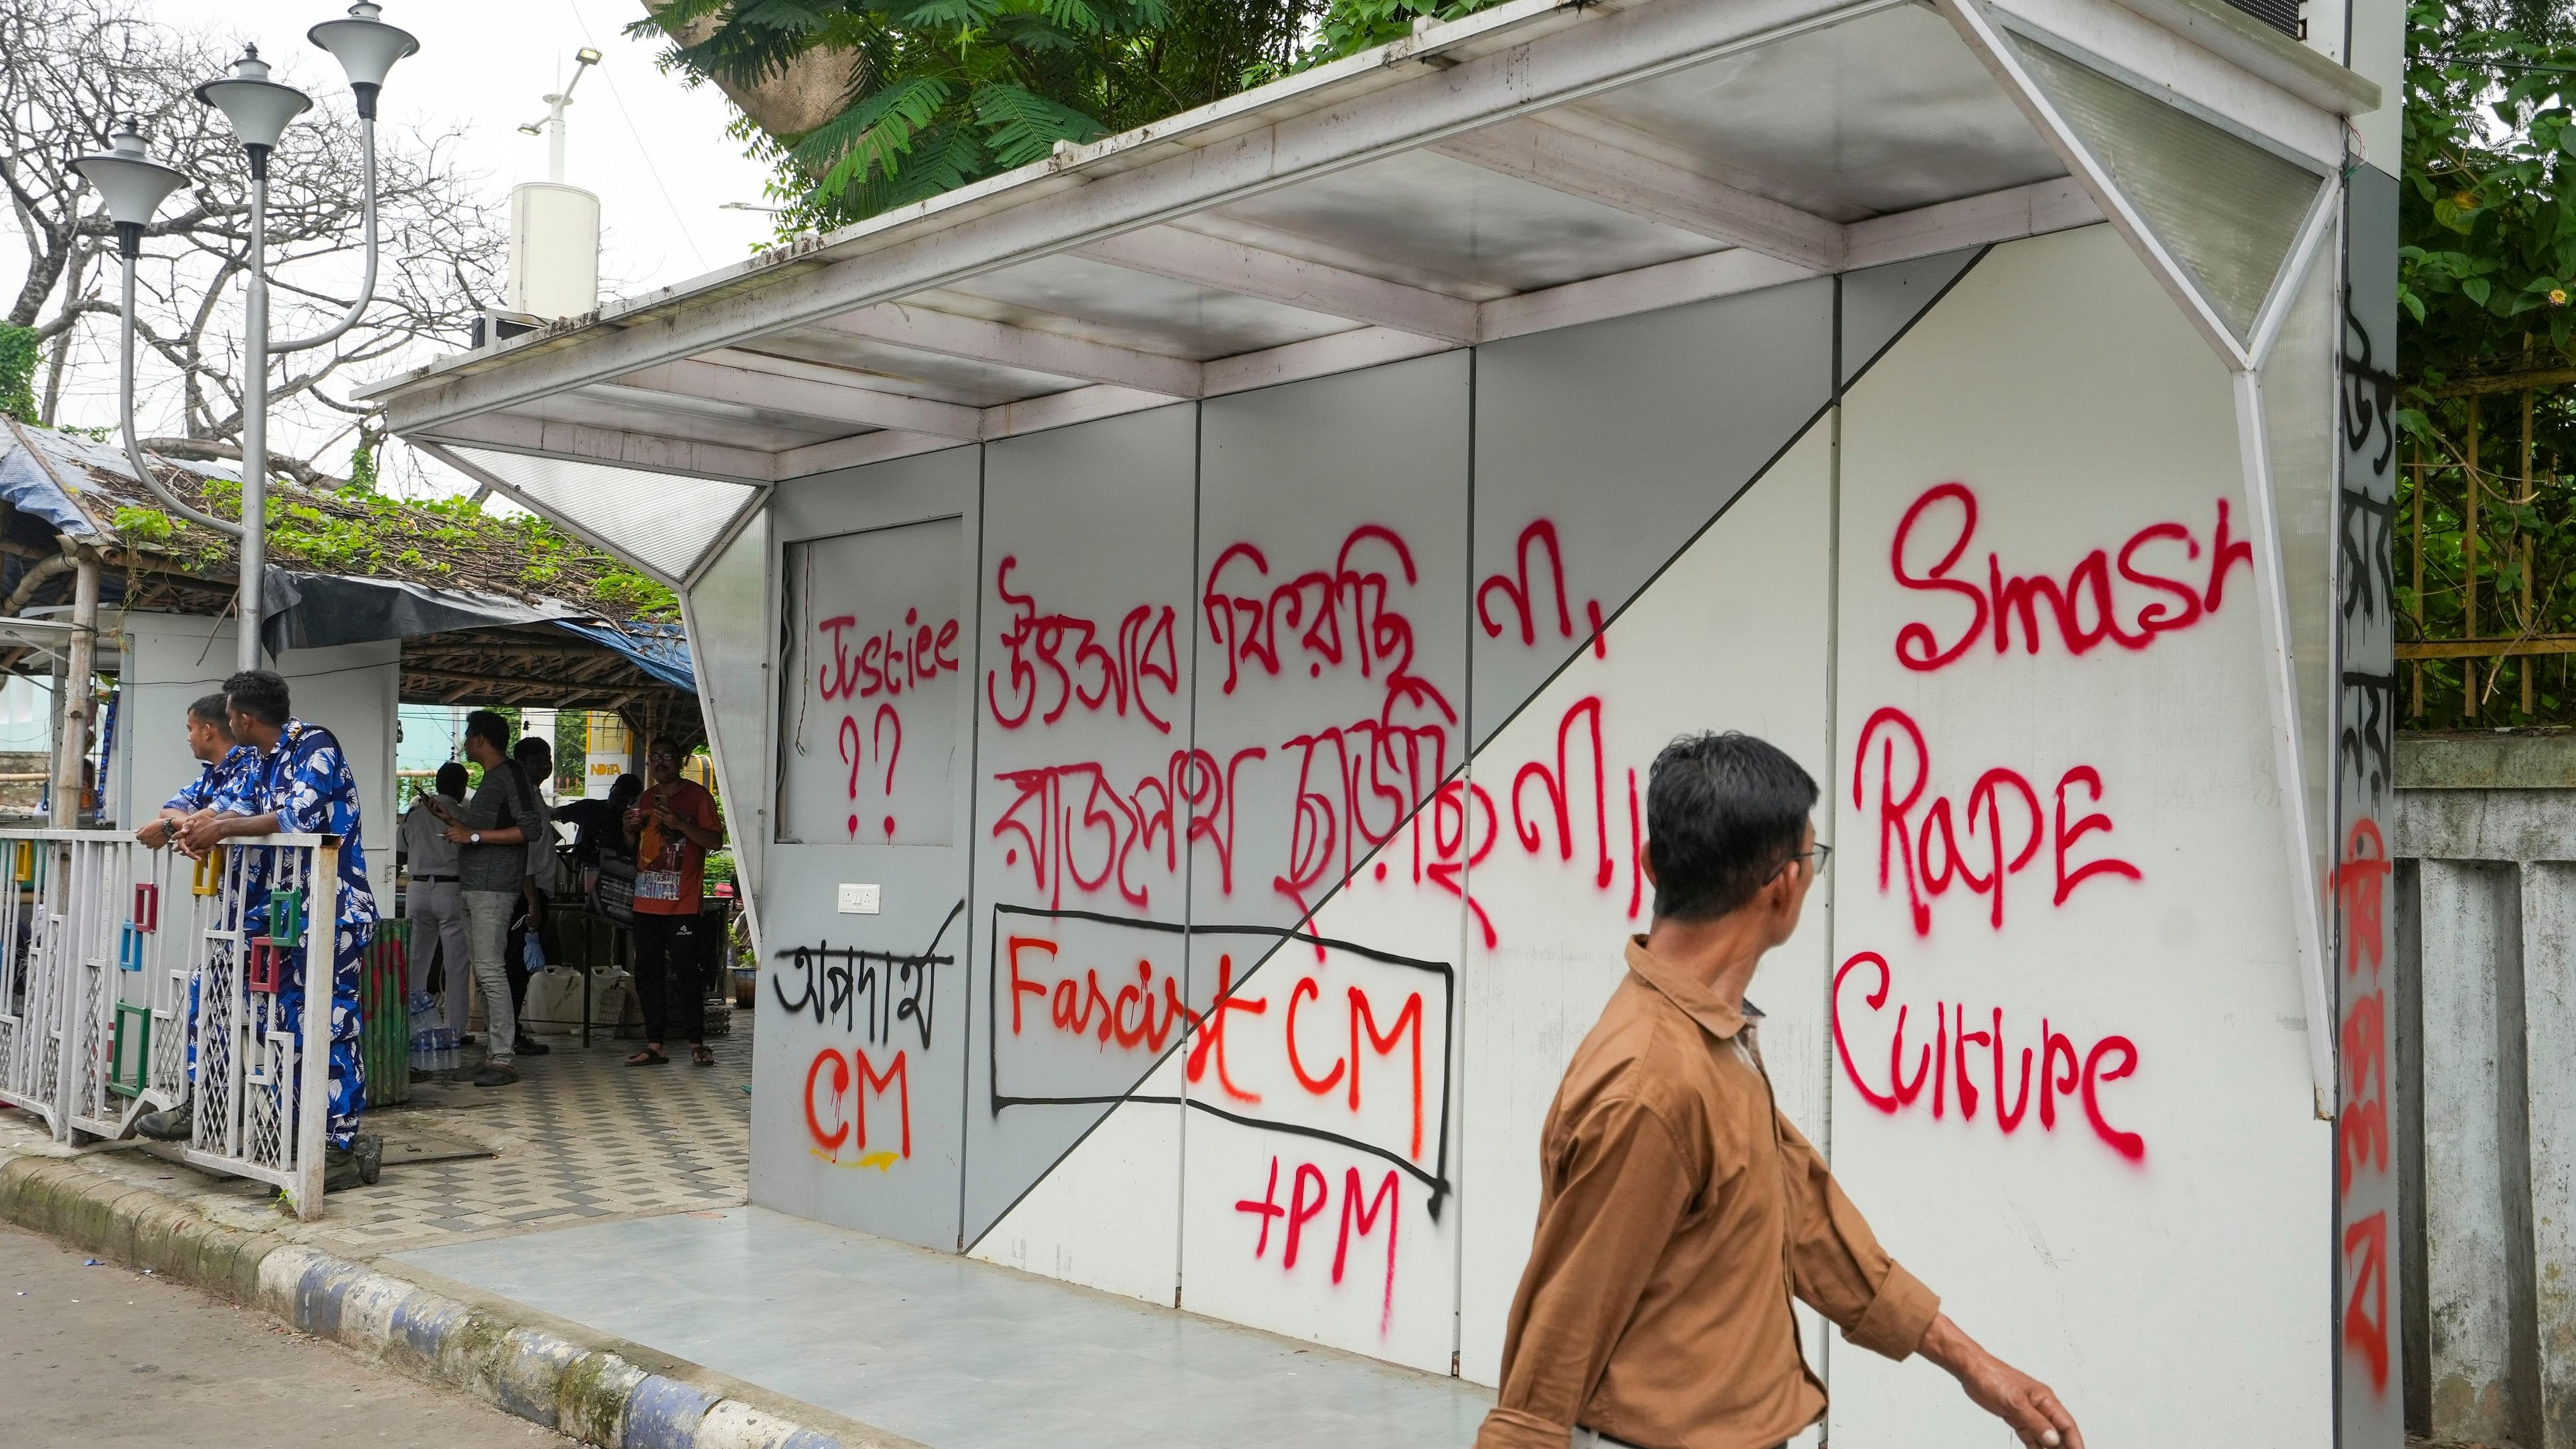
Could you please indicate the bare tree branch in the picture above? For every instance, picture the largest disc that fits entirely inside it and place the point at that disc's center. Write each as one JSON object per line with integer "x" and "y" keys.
{"x": 68, "y": 70}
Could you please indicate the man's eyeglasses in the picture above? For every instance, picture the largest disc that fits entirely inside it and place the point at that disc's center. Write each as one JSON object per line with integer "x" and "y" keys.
{"x": 1815, "y": 858}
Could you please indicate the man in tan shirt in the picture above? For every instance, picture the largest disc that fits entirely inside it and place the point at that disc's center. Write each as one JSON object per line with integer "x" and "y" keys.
{"x": 1679, "y": 1209}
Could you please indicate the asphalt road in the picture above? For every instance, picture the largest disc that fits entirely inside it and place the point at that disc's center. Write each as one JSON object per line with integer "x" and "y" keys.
{"x": 98, "y": 1357}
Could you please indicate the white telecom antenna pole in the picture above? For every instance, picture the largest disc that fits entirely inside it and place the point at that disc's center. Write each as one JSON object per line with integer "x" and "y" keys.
{"x": 554, "y": 231}
{"x": 553, "y": 124}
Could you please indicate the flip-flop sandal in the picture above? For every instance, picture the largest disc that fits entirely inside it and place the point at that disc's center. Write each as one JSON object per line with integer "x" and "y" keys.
{"x": 648, "y": 1058}
{"x": 702, "y": 1056}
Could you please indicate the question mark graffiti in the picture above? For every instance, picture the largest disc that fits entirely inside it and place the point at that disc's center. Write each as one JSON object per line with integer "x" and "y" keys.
{"x": 851, "y": 750}
{"x": 854, "y": 752}
{"x": 885, "y": 714}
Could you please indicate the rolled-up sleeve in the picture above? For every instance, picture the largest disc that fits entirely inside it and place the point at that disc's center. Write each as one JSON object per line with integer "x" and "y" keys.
{"x": 1618, "y": 1185}
{"x": 1838, "y": 1266}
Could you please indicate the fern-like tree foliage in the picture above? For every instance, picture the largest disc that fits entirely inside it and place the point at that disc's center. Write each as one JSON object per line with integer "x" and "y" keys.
{"x": 946, "y": 92}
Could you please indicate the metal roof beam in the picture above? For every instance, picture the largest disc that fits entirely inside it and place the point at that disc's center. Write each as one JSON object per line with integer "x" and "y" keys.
{"x": 1246, "y": 271}
{"x": 1607, "y": 175}
{"x": 1204, "y": 159}
{"x": 800, "y": 394}
{"x": 518, "y": 433}
{"x": 1029, "y": 349}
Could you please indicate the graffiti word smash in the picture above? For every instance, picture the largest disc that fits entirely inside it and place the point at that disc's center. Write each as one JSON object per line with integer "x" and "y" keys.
{"x": 1945, "y": 1064}
{"x": 1941, "y": 849}
{"x": 2002, "y": 599}
{"x": 1360, "y": 1213}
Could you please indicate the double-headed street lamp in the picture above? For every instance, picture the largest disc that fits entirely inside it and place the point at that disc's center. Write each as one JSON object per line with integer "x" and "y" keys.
{"x": 134, "y": 186}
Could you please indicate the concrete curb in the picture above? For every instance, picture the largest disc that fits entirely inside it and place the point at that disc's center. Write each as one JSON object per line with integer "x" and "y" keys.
{"x": 589, "y": 1394}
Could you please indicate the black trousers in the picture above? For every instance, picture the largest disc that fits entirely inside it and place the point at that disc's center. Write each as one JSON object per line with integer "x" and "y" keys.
{"x": 668, "y": 983}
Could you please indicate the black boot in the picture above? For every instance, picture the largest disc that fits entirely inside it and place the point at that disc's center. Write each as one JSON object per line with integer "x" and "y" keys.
{"x": 177, "y": 1124}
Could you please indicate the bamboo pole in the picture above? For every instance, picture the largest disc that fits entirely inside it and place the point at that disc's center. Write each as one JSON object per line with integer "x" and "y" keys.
{"x": 2469, "y": 574}
{"x": 2523, "y": 669}
{"x": 2423, "y": 480}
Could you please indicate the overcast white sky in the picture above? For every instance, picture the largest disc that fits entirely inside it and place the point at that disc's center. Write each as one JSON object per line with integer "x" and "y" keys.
{"x": 656, "y": 154}
{"x": 654, "y": 151}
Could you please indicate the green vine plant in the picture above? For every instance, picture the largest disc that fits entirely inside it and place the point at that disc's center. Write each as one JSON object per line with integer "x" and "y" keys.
{"x": 448, "y": 541}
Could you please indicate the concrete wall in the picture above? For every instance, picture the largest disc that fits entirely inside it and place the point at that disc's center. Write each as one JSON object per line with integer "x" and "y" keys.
{"x": 173, "y": 659}
{"x": 2486, "y": 831}
{"x": 1260, "y": 842}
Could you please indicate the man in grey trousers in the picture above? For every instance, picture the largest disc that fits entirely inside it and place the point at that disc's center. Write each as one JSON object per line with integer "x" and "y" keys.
{"x": 504, "y": 815}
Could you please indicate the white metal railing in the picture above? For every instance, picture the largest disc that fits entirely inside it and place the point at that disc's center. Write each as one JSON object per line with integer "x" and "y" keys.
{"x": 102, "y": 943}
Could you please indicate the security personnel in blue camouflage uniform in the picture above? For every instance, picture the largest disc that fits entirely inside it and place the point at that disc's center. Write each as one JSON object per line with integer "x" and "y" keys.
{"x": 301, "y": 784}
{"x": 222, "y": 763}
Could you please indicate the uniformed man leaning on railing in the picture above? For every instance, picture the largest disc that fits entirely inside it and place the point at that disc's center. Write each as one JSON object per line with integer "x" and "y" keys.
{"x": 297, "y": 781}
{"x": 222, "y": 763}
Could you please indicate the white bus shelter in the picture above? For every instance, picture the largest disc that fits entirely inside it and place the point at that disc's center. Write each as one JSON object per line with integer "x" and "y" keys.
{"x": 1184, "y": 627}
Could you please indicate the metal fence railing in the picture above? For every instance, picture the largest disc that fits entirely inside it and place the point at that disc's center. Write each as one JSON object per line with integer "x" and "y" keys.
{"x": 119, "y": 965}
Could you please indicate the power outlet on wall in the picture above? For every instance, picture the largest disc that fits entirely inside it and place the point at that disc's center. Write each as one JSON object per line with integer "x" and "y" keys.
{"x": 858, "y": 900}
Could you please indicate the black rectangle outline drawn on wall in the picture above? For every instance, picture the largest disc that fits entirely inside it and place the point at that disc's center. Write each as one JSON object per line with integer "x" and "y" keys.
{"x": 1437, "y": 1181}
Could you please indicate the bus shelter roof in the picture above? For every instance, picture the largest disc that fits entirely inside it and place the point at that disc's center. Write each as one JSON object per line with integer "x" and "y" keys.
{"x": 1537, "y": 165}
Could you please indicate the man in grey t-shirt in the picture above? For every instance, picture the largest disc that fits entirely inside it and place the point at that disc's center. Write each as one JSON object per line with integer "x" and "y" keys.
{"x": 504, "y": 815}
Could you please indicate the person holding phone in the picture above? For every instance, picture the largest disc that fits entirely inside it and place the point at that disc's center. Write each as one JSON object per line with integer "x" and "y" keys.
{"x": 672, "y": 827}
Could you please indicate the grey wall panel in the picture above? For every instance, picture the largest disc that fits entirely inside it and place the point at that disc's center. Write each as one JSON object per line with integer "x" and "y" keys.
{"x": 859, "y": 1082}
{"x": 1601, "y": 451}
{"x": 1082, "y": 698}
{"x": 1332, "y": 673}
{"x": 1881, "y": 302}
{"x": 730, "y": 626}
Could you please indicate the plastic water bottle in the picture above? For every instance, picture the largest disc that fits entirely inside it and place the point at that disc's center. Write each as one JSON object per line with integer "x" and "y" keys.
{"x": 424, "y": 1037}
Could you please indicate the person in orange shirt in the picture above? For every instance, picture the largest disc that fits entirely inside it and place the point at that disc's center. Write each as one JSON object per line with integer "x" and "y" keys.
{"x": 1679, "y": 1208}
{"x": 672, "y": 827}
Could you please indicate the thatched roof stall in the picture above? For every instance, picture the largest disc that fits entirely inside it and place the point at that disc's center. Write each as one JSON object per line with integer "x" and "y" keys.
{"x": 492, "y": 608}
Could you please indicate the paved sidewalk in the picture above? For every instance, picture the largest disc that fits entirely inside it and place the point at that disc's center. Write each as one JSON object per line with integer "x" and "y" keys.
{"x": 575, "y": 1250}
{"x": 581, "y": 1136}
{"x": 103, "y": 1357}
{"x": 950, "y": 1352}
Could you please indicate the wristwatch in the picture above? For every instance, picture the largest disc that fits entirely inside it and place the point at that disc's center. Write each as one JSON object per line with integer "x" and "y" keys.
{"x": 475, "y": 838}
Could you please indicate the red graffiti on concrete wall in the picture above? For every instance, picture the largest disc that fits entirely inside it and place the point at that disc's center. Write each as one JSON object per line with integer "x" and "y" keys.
{"x": 1078, "y": 827}
{"x": 1537, "y": 540}
{"x": 1943, "y": 1069}
{"x": 2358, "y": 887}
{"x": 1376, "y": 789}
{"x": 2088, "y": 606}
{"x": 1055, "y": 661}
{"x": 1309, "y": 1195}
{"x": 880, "y": 665}
{"x": 1347, "y": 610}
{"x": 1998, "y": 832}
{"x": 837, "y": 1116}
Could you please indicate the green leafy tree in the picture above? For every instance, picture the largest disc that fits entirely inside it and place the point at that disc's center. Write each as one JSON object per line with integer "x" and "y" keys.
{"x": 20, "y": 350}
{"x": 2487, "y": 218}
{"x": 944, "y": 92}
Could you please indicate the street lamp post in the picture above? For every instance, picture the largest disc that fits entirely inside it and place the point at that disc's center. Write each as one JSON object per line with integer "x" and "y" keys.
{"x": 134, "y": 186}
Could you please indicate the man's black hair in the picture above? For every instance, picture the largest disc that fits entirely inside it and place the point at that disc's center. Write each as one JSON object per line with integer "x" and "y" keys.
{"x": 259, "y": 693}
{"x": 210, "y": 709}
{"x": 533, "y": 751}
{"x": 625, "y": 791}
{"x": 1723, "y": 813}
{"x": 484, "y": 724}
{"x": 452, "y": 780}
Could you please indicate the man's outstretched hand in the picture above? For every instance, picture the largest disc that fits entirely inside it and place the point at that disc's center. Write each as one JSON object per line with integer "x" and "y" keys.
{"x": 2030, "y": 1407}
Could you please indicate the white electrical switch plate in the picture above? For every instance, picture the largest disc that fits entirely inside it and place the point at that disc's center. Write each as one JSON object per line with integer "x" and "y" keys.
{"x": 858, "y": 900}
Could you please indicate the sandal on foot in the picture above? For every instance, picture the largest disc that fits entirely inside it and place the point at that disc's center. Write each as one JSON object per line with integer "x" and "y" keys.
{"x": 702, "y": 1056}
{"x": 648, "y": 1058}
